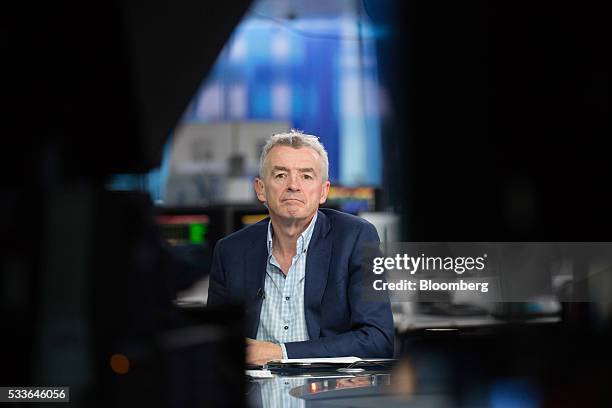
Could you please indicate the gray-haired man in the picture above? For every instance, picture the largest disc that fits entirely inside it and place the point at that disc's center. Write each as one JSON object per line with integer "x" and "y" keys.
{"x": 298, "y": 271}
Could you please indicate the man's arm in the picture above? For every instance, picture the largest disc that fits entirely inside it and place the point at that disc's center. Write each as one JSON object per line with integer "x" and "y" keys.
{"x": 260, "y": 352}
{"x": 217, "y": 287}
{"x": 372, "y": 332}
{"x": 257, "y": 352}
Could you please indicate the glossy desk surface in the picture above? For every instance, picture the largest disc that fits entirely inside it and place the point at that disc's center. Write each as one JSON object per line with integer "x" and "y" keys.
{"x": 380, "y": 388}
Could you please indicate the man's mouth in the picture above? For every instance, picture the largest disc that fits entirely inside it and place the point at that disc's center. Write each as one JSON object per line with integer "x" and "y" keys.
{"x": 292, "y": 200}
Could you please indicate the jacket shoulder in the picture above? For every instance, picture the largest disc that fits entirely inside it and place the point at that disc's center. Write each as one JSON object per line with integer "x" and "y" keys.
{"x": 340, "y": 220}
{"x": 246, "y": 235}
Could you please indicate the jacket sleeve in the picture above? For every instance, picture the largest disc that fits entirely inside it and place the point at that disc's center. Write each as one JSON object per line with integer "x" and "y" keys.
{"x": 372, "y": 332}
{"x": 217, "y": 287}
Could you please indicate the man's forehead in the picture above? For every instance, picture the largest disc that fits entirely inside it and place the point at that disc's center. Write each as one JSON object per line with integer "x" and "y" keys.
{"x": 290, "y": 157}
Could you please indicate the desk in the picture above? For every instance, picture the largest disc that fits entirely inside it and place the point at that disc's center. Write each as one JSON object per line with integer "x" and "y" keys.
{"x": 381, "y": 388}
{"x": 421, "y": 321}
{"x": 526, "y": 365}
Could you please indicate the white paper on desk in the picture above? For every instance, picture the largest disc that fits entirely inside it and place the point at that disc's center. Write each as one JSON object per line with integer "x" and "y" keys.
{"x": 328, "y": 360}
{"x": 259, "y": 373}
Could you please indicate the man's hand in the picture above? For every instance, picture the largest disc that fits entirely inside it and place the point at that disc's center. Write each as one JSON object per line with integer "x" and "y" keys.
{"x": 260, "y": 352}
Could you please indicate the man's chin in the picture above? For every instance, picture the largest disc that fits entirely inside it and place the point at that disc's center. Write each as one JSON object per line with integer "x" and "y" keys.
{"x": 295, "y": 214}
{"x": 294, "y": 207}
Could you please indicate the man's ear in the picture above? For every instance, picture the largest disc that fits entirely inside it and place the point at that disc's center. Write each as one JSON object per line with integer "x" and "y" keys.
{"x": 260, "y": 190}
{"x": 324, "y": 192}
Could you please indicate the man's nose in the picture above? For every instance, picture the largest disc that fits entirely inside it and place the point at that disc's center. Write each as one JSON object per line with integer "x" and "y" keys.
{"x": 293, "y": 183}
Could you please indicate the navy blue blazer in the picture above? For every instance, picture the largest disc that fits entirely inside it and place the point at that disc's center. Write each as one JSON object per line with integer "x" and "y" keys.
{"x": 339, "y": 320}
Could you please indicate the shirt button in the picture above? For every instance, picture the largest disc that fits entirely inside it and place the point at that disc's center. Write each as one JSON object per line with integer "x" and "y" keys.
{"x": 287, "y": 298}
{"x": 286, "y": 327}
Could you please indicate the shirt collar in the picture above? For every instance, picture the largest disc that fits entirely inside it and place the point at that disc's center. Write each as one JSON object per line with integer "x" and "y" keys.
{"x": 303, "y": 240}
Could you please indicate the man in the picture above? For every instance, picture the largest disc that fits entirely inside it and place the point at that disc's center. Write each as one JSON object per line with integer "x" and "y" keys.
{"x": 298, "y": 272}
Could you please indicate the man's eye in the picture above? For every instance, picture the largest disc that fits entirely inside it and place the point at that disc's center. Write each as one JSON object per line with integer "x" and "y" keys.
{"x": 307, "y": 176}
{"x": 280, "y": 175}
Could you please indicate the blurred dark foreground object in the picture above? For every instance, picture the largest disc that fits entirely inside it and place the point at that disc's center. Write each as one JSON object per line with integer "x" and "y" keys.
{"x": 108, "y": 326}
{"x": 527, "y": 365}
{"x": 94, "y": 89}
{"x": 182, "y": 356}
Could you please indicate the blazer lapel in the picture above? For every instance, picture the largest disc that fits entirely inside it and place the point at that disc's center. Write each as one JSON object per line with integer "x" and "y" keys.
{"x": 255, "y": 260}
{"x": 317, "y": 271}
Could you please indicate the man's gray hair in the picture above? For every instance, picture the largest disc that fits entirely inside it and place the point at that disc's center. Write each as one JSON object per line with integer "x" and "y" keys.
{"x": 295, "y": 139}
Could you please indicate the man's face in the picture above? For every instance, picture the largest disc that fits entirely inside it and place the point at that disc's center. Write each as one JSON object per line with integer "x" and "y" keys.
{"x": 292, "y": 185}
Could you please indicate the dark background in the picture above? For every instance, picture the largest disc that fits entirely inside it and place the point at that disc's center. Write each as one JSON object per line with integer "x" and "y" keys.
{"x": 502, "y": 115}
{"x": 503, "y": 119}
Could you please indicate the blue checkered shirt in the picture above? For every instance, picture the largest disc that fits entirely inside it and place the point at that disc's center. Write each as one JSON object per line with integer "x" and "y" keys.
{"x": 282, "y": 317}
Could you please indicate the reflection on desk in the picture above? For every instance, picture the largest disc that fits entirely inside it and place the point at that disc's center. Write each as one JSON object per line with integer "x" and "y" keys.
{"x": 275, "y": 392}
{"x": 524, "y": 365}
{"x": 301, "y": 391}
{"x": 326, "y": 385}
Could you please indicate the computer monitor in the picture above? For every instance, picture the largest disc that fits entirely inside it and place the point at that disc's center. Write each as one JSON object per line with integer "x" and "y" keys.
{"x": 184, "y": 229}
{"x": 352, "y": 200}
{"x": 246, "y": 215}
{"x": 190, "y": 234}
{"x": 250, "y": 219}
